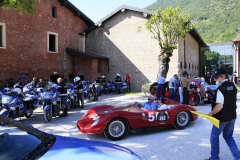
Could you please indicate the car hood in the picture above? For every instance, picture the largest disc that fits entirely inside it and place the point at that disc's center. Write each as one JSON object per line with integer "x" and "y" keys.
{"x": 77, "y": 149}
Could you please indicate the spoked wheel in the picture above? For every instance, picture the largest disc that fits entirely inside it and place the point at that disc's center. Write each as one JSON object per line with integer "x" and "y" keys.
{"x": 116, "y": 129}
{"x": 210, "y": 95}
{"x": 194, "y": 99}
{"x": 182, "y": 120}
{"x": 48, "y": 115}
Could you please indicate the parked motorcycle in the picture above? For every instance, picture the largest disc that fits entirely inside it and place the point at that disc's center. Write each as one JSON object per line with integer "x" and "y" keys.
{"x": 52, "y": 102}
{"x": 92, "y": 93}
{"x": 15, "y": 105}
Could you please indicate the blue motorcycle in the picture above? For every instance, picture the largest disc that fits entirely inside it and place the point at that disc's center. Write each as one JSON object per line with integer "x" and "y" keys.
{"x": 72, "y": 97}
{"x": 52, "y": 102}
{"x": 15, "y": 105}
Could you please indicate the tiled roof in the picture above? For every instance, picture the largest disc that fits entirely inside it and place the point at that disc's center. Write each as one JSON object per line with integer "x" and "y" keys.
{"x": 237, "y": 39}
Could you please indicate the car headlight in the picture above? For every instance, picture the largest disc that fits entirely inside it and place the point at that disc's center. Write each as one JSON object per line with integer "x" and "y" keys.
{"x": 96, "y": 121}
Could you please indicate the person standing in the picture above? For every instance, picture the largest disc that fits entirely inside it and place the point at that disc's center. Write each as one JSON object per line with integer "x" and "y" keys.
{"x": 207, "y": 78}
{"x": 127, "y": 80}
{"x": 61, "y": 87}
{"x": 224, "y": 109}
{"x": 79, "y": 86}
{"x": 173, "y": 87}
{"x": 234, "y": 78}
{"x": 160, "y": 88}
{"x": 185, "y": 84}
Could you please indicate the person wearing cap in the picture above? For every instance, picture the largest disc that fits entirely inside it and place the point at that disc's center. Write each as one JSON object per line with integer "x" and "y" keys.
{"x": 127, "y": 80}
{"x": 185, "y": 86}
{"x": 150, "y": 104}
{"x": 224, "y": 109}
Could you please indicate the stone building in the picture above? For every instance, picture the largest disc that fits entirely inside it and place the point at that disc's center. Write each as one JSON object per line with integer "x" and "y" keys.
{"x": 116, "y": 36}
{"x": 47, "y": 44}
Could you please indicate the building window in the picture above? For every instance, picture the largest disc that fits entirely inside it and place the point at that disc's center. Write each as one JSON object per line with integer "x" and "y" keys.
{"x": 54, "y": 12}
{"x": 52, "y": 42}
{"x": 2, "y": 35}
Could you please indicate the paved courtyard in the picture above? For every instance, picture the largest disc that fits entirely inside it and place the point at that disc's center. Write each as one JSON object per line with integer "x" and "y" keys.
{"x": 191, "y": 143}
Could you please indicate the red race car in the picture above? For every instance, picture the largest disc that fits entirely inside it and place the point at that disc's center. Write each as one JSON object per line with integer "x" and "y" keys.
{"x": 115, "y": 122}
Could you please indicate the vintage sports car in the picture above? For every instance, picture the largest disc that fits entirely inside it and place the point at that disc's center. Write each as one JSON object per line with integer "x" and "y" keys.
{"x": 19, "y": 141}
{"x": 115, "y": 122}
{"x": 199, "y": 91}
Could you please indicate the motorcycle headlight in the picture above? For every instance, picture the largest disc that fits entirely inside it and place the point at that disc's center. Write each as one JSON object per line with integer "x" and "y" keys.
{"x": 6, "y": 100}
{"x": 47, "y": 96}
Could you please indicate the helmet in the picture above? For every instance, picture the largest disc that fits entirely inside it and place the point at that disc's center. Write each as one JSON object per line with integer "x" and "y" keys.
{"x": 118, "y": 75}
{"x": 184, "y": 73}
{"x": 77, "y": 79}
{"x": 102, "y": 76}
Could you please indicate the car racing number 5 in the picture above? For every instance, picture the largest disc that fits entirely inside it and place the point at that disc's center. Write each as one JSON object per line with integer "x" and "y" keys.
{"x": 159, "y": 116}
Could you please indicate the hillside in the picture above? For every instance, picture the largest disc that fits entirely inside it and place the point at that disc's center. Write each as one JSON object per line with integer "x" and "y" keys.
{"x": 215, "y": 20}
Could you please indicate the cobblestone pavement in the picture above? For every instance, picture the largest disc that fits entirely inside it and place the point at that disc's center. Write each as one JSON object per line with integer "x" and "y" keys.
{"x": 191, "y": 143}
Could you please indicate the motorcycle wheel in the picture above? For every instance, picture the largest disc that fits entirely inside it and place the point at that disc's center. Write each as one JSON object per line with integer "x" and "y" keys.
{"x": 29, "y": 114}
{"x": 194, "y": 99}
{"x": 48, "y": 115}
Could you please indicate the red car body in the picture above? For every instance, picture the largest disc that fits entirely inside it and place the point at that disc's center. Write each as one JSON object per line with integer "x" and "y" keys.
{"x": 197, "y": 92}
{"x": 106, "y": 119}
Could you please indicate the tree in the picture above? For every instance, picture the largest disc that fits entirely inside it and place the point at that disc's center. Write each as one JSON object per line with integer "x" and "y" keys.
{"x": 168, "y": 27}
{"x": 26, "y": 6}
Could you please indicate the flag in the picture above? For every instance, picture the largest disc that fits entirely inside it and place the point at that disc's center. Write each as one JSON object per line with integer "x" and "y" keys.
{"x": 213, "y": 120}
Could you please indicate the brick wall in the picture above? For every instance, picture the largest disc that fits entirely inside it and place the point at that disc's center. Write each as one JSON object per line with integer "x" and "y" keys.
{"x": 26, "y": 41}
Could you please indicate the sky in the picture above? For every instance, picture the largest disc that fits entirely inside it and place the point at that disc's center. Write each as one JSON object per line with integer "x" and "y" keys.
{"x": 97, "y": 9}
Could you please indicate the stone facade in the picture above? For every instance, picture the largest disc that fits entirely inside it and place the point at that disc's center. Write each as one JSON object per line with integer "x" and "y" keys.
{"x": 136, "y": 52}
{"x": 25, "y": 50}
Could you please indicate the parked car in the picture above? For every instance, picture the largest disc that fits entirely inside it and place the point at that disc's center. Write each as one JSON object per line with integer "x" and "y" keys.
{"x": 21, "y": 141}
{"x": 115, "y": 122}
{"x": 199, "y": 91}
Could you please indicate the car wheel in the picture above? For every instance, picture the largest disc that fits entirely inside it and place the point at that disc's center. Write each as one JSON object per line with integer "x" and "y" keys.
{"x": 48, "y": 115}
{"x": 210, "y": 94}
{"x": 116, "y": 129}
{"x": 182, "y": 120}
{"x": 194, "y": 99}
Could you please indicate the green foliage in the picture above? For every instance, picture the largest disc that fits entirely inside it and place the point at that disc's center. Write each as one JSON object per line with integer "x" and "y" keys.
{"x": 26, "y": 6}
{"x": 168, "y": 26}
{"x": 215, "y": 20}
{"x": 146, "y": 88}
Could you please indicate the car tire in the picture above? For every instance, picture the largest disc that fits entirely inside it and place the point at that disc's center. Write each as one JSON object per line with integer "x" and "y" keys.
{"x": 116, "y": 129}
{"x": 210, "y": 94}
{"x": 194, "y": 99}
{"x": 48, "y": 115}
{"x": 182, "y": 120}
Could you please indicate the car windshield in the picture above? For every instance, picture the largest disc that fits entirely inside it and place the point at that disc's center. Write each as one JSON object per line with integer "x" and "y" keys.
{"x": 18, "y": 141}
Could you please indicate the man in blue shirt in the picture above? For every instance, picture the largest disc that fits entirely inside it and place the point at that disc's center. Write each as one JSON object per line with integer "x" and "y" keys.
{"x": 150, "y": 104}
{"x": 160, "y": 88}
